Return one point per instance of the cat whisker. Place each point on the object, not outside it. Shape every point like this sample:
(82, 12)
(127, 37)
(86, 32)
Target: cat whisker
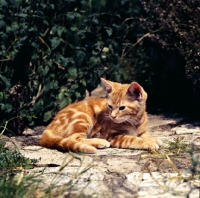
(105, 119)
(132, 121)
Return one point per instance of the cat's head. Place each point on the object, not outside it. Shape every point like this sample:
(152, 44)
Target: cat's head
(125, 101)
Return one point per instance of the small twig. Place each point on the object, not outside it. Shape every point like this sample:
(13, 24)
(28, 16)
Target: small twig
(40, 90)
(2, 60)
(121, 26)
(173, 165)
(46, 32)
(59, 65)
(42, 40)
(16, 39)
(4, 128)
(20, 178)
(139, 40)
(133, 45)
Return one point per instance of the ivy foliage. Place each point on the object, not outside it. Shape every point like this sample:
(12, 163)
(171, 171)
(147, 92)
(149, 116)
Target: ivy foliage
(51, 52)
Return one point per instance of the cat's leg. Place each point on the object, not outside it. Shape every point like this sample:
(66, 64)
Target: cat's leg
(128, 141)
(76, 142)
(148, 137)
(50, 140)
(96, 142)
(79, 143)
(72, 144)
(142, 133)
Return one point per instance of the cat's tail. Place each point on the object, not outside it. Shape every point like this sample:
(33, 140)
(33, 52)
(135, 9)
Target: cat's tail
(72, 143)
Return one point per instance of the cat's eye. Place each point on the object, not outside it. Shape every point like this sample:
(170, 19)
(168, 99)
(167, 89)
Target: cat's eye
(121, 108)
(110, 106)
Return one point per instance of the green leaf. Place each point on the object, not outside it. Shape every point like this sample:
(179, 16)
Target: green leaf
(5, 80)
(48, 115)
(53, 30)
(45, 71)
(80, 32)
(80, 57)
(3, 3)
(5, 38)
(15, 27)
(63, 103)
(111, 49)
(61, 95)
(95, 21)
(22, 15)
(72, 71)
(76, 14)
(60, 30)
(48, 103)
(55, 41)
(52, 6)
(2, 24)
(73, 29)
(47, 87)
(93, 61)
(34, 44)
(38, 106)
(83, 82)
(65, 61)
(6, 107)
(109, 31)
(70, 16)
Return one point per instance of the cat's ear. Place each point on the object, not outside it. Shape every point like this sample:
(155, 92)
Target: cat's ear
(135, 91)
(107, 85)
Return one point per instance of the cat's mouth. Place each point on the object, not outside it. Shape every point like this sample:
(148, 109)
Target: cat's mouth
(116, 119)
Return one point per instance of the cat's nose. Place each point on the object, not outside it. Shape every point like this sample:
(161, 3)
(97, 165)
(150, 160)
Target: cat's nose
(113, 116)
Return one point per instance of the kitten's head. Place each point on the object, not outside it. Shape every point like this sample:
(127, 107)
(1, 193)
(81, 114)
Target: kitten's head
(125, 101)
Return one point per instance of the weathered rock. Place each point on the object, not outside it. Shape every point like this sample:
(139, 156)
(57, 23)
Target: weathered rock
(159, 185)
(186, 129)
(112, 172)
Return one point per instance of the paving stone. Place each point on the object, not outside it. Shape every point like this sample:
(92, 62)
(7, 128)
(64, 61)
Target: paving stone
(112, 172)
(161, 185)
(158, 121)
(186, 129)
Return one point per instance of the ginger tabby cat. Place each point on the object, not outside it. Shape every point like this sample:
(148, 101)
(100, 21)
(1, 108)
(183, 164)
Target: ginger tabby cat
(119, 121)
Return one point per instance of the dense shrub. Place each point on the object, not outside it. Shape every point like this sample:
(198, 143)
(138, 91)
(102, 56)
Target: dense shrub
(51, 52)
(175, 27)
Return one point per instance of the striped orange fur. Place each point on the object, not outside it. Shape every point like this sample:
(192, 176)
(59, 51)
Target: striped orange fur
(118, 121)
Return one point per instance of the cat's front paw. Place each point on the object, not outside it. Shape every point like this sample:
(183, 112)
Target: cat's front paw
(103, 144)
(157, 141)
(153, 145)
(99, 143)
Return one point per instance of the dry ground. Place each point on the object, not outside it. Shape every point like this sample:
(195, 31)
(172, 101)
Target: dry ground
(122, 173)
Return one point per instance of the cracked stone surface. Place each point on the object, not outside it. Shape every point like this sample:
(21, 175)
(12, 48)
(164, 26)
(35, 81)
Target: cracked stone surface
(120, 173)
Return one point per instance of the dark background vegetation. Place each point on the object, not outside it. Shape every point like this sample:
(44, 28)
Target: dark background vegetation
(51, 52)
